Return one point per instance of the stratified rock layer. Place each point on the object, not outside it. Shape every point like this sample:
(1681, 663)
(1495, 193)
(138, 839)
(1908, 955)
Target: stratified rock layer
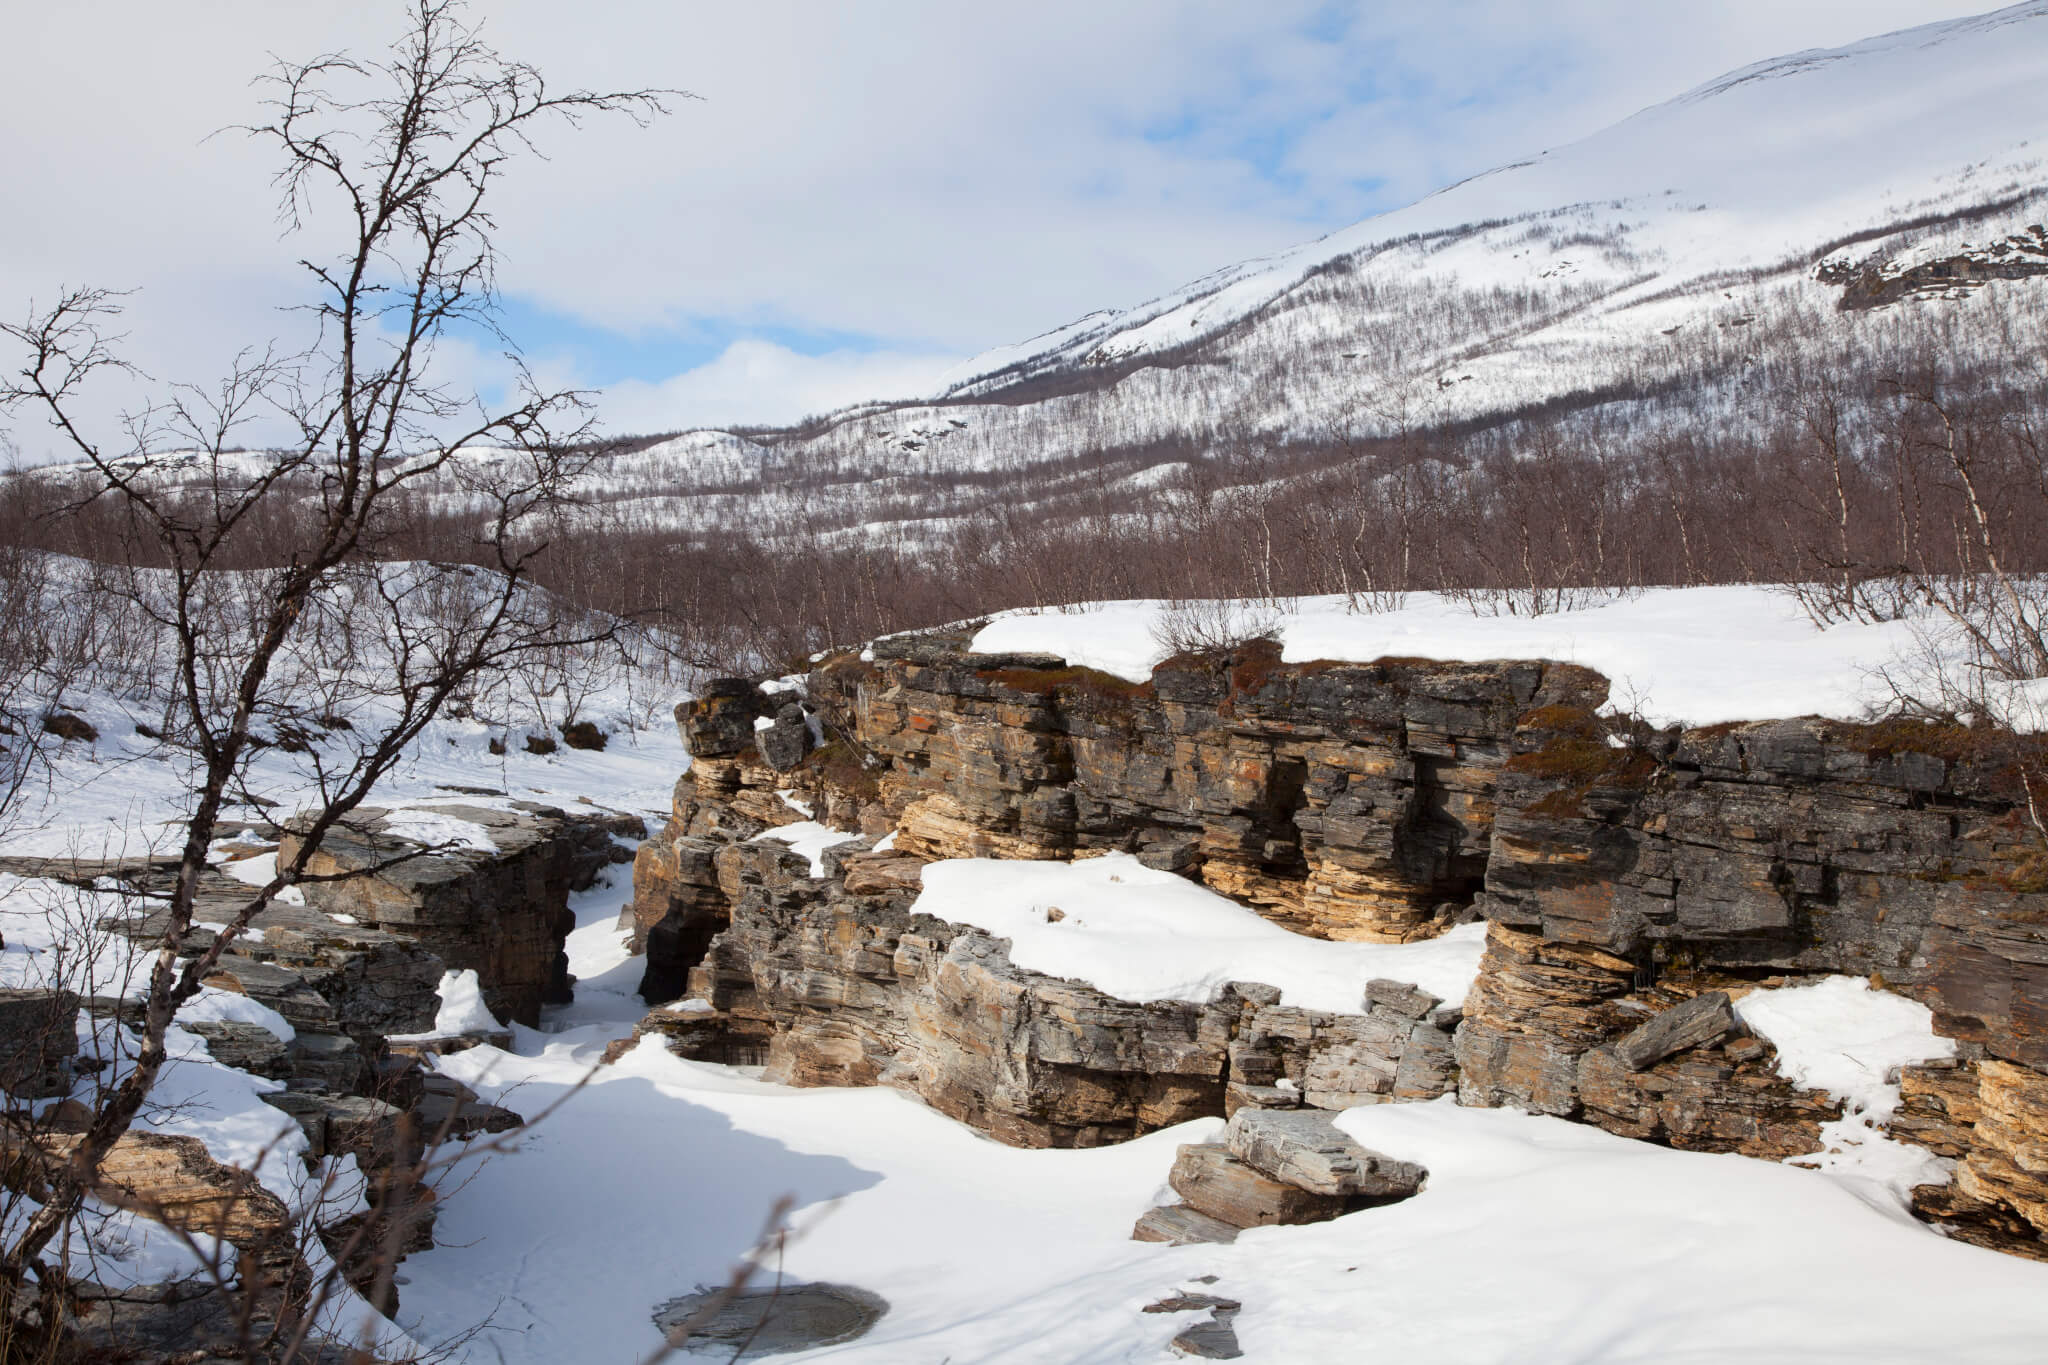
(1637, 882)
(502, 911)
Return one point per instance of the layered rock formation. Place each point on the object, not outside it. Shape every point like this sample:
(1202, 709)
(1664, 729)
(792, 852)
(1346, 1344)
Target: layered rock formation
(1635, 882)
(350, 973)
(1342, 800)
(498, 905)
(827, 984)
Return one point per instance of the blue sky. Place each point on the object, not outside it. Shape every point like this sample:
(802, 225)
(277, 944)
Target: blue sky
(864, 195)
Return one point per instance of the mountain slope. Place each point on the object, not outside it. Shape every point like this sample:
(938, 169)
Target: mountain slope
(1769, 169)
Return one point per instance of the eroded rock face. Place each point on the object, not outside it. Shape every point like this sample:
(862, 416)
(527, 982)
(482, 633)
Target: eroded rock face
(826, 986)
(1761, 852)
(1346, 801)
(501, 911)
(1636, 883)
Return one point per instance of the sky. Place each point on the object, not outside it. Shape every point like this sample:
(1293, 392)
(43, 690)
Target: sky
(853, 199)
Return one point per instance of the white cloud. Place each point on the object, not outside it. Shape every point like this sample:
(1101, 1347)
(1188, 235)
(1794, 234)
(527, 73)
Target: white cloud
(762, 383)
(941, 177)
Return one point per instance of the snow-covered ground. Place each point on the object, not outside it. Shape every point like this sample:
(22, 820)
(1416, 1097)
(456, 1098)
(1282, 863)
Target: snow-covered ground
(125, 793)
(1535, 1239)
(1696, 656)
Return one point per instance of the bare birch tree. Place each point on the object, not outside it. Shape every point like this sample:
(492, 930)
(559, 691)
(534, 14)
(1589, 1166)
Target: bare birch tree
(402, 153)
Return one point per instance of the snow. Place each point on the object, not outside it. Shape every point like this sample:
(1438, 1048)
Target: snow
(1141, 934)
(1843, 1037)
(809, 838)
(217, 1006)
(462, 1009)
(1697, 656)
(429, 828)
(1530, 1230)
(256, 870)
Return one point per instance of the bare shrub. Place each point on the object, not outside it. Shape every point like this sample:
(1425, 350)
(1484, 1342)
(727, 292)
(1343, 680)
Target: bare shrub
(1210, 625)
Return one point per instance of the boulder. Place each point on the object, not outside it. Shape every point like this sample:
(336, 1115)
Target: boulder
(719, 721)
(1304, 1148)
(1214, 1182)
(783, 742)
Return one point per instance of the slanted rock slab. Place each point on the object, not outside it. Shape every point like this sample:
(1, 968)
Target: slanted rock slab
(1703, 1019)
(1303, 1147)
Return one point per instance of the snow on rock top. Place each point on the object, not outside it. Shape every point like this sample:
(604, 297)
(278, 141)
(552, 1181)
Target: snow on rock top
(808, 837)
(1697, 656)
(1141, 934)
(462, 1009)
(1843, 1037)
(430, 828)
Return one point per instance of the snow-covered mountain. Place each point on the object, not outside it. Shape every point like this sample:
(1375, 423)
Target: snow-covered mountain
(1832, 214)
(1662, 221)
(1678, 264)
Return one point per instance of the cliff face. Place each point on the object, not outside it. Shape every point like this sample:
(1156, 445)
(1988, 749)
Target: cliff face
(502, 912)
(1345, 801)
(1631, 881)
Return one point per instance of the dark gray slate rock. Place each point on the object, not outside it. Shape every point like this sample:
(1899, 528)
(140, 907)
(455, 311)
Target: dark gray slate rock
(1702, 1019)
(246, 1047)
(1215, 1339)
(37, 1042)
(719, 721)
(783, 744)
(450, 1111)
(769, 1321)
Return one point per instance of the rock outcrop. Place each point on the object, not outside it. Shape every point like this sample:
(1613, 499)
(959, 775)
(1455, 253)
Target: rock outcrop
(348, 972)
(1636, 884)
(831, 988)
(495, 902)
(826, 985)
(1341, 800)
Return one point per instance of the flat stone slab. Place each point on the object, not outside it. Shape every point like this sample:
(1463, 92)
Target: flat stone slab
(1214, 1182)
(1180, 1226)
(769, 1322)
(1303, 1147)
